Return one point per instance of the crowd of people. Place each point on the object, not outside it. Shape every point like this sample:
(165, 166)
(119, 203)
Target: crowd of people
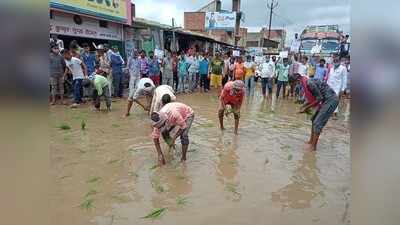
(155, 82)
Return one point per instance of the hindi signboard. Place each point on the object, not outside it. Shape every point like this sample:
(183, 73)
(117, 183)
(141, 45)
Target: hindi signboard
(220, 21)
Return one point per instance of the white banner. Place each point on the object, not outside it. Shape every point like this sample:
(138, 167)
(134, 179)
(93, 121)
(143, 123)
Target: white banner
(220, 21)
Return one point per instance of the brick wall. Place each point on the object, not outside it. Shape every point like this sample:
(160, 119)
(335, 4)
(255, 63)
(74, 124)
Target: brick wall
(194, 21)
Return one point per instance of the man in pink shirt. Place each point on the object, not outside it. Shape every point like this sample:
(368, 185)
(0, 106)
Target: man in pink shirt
(172, 115)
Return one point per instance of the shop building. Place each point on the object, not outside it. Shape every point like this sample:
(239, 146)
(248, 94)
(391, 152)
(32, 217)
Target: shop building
(94, 22)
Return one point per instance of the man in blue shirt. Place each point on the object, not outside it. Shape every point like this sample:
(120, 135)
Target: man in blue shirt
(117, 62)
(203, 71)
(154, 69)
(88, 58)
(321, 71)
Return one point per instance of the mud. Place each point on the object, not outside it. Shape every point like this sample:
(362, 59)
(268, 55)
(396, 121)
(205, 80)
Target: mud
(262, 176)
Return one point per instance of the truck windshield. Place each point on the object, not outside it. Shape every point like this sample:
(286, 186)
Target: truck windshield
(308, 44)
(330, 45)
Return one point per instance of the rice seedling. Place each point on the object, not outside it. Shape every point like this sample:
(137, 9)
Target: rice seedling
(290, 157)
(64, 126)
(94, 179)
(181, 177)
(232, 188)
(132, 150)
(155, 214)
(181, 200)
(63, 177)
(153, 167)
(87, 204)
(115, 125)
(113, 161)
(83, 125)
(91, 192)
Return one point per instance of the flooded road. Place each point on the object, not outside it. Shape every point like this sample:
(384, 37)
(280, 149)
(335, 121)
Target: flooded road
(106, 174)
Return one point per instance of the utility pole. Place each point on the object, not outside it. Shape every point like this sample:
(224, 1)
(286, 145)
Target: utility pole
(271, 6)
(173, 44)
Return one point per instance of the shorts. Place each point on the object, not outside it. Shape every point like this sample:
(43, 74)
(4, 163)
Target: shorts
(216, 80)
(185, 134)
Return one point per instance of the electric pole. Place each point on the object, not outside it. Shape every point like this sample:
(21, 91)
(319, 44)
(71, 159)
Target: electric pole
(173, 45)
(271, 6)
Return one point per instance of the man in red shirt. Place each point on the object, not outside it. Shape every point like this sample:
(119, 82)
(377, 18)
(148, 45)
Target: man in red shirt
(232, 95)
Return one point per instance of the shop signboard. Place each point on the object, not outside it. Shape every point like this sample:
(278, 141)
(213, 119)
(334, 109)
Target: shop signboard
(220, 21)
(63, 25)
(114, 10)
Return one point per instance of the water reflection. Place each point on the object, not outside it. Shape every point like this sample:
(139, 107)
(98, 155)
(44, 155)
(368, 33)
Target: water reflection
(305, 186)
(170, 183)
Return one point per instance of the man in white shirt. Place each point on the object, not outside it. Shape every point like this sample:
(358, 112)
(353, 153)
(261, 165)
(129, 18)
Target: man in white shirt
(145, 89)
(267, 72)
(302, 67)
(159, 92)
(79, 71)
(295, 46)
(337, 79)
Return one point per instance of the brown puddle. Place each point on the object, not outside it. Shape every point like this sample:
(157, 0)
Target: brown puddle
(105, 174)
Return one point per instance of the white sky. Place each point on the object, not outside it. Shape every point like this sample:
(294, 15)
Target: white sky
(293, 15)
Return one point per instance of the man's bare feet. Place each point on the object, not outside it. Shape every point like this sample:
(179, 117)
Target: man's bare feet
(126, 114)
(161, 161)
(183, 159)
(52, 103)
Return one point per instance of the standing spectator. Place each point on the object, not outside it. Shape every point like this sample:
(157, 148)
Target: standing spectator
(282, 72)
(175, 62)
(337, 79)
(311, 66)
(295, 45)
(217, 66)
(226, 69)
(321, 71)
(238, 71)
(231, 69)
(134, 72)
(104, 63)
(293, 70)
(267, 71)
(57, 68)
(302, 67)
(250, 68)
(183, 74)
(88, 58)
(78, 70)
(144, 64)
(204, 70)
(116, 65)
(75, 49)
(193, 71)
(154, 69)
(54, 39)
(168, 70)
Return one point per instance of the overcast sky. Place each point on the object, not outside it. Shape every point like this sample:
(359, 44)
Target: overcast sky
(294, 15)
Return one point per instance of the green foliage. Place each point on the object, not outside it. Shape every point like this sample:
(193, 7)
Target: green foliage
(155, 214)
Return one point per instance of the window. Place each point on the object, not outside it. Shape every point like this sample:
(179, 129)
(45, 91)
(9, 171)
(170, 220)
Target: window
(103, 23)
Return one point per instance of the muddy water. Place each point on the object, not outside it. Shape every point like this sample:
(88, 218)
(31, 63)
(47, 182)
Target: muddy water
(262, 176)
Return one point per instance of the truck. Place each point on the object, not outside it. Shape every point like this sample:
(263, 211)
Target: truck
(322, 40)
